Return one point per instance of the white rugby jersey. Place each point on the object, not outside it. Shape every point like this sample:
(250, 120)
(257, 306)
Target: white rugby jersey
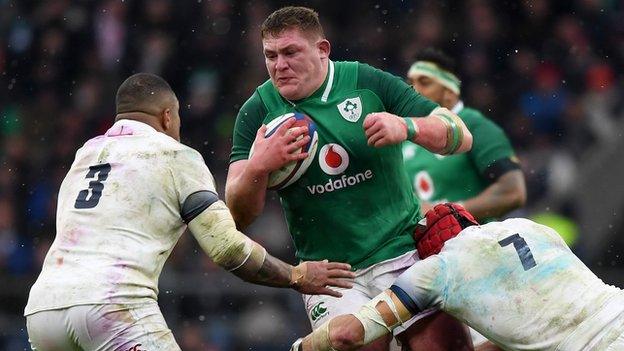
(118, 218)
(518, 284)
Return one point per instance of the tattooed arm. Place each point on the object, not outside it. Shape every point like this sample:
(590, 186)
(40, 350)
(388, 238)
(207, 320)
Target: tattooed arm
(216, 233)
(308, 277)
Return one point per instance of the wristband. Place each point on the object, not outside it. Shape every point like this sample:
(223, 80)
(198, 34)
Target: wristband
(411, 128)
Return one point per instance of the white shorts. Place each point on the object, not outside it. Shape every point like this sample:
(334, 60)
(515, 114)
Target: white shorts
(114, 327)
(368, 283)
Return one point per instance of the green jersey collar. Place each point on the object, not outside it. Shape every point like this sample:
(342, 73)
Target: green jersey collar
(330, 82)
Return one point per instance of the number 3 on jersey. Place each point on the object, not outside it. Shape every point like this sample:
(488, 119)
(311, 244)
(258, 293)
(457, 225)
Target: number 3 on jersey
(95, 186)
(522, 249)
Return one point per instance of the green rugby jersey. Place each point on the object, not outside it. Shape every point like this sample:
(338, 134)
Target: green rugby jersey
(437, 178)
(354, 204)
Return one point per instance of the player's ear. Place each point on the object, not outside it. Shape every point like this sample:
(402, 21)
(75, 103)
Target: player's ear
(166, 118)
(324, 48)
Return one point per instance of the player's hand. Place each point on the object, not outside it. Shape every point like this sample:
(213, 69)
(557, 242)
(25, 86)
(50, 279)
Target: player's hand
(282, 147)
(296, 346)
(383, 128)
(314, 277)
(440, 224)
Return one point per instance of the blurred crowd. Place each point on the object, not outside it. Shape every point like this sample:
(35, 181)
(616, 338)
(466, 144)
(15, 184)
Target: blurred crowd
(546, 71)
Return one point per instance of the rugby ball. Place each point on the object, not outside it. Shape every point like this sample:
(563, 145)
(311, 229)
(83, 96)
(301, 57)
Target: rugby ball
(292, 171)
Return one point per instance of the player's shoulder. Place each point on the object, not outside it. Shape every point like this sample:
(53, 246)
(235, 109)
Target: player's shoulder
(377, 80)
(187, 153)
(267, 85)
(174, 150)
(338, 65)
(495, 229)
(256, 104)
(527, 227)
(363, 69)
(521, 223)
(506, 225)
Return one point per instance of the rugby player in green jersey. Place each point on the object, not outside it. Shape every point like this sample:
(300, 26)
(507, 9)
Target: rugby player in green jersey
(487, 180)
(354, 203)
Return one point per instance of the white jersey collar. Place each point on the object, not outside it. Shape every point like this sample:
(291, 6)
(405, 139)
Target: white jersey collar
(130, 126)
(458, 107)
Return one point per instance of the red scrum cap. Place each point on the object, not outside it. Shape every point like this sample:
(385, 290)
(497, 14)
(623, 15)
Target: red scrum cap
(441, 223)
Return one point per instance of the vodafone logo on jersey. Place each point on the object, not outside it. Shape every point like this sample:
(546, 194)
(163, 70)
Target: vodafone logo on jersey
(333, 159)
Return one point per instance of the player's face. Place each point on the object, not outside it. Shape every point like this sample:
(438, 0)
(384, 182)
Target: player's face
(429, 88)
(295, 62)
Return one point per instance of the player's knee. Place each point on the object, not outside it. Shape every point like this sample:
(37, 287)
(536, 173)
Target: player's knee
(345, 337)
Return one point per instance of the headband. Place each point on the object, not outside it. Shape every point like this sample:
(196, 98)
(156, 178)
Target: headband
(432, 70)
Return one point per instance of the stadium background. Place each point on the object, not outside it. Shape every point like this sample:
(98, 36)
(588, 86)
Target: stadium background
(547, 71)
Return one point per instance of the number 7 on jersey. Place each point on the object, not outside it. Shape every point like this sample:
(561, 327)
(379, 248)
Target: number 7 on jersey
(522, 249)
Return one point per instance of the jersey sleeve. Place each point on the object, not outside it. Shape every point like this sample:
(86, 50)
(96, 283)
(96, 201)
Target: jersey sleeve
(248, 121)
(397, 96)
(423, 285)
(491, 150)
(190, 175)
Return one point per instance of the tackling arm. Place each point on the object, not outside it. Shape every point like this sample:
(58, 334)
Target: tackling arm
(216, 233)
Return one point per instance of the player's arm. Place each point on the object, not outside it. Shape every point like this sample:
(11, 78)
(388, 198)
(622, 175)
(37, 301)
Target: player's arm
(410, 116)
(507, 193)
(212, 225)
(441, 132)
(495, 159)
(245, 189)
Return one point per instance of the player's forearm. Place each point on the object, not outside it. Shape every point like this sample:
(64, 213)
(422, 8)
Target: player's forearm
(506, 194)
(273, 272)
(442, 132)
(216, 233)
(245, 194)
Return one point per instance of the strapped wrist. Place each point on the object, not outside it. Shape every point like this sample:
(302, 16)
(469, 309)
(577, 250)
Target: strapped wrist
(296, 275)
(412, 129)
